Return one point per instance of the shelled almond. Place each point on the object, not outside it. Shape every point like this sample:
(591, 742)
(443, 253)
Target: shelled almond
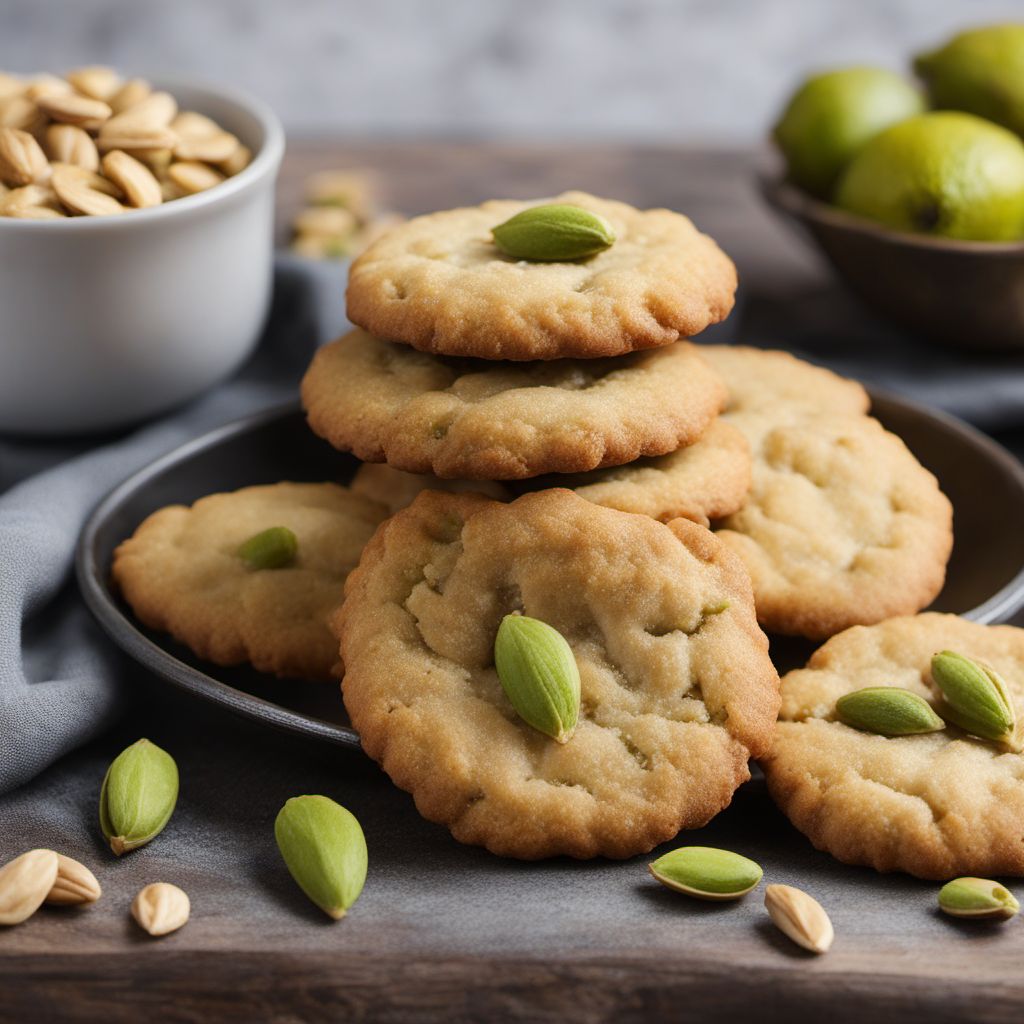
(93, 144)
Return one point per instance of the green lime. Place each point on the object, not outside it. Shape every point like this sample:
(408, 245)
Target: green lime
(945, 173)
(980, 71)
(832, 115)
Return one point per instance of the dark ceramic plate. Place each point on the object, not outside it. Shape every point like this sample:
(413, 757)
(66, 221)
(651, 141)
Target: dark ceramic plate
(961, 294)
(985, 579)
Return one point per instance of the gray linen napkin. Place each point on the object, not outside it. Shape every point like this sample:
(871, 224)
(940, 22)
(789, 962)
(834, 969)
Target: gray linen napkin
(61, 682)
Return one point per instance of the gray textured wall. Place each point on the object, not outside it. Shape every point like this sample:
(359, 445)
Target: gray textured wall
(641, 69)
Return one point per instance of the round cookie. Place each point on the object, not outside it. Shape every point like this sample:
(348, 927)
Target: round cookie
(677, 690)
(475, 420)
(937, 805)
(842, 526)
(396, 489)
(181, 574)
(774, 382)
(439, 284)
(838, 509)
(704, 481)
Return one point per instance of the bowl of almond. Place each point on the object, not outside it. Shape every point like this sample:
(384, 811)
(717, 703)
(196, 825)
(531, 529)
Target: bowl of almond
(136, 244)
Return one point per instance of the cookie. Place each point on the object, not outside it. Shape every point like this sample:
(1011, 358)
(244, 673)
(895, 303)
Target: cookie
(839, 509)
(181, 574)
(439, 284)
(475, 420)
(842, 526)
(677, 690)
(396, 489)
(937, 805)
(707, 480)
(767, 381)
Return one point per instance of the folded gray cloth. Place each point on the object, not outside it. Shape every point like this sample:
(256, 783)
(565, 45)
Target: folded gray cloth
(61, 681)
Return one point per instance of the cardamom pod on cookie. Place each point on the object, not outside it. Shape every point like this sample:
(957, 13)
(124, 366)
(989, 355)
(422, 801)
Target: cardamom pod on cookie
(888, 711)
(324, 848)
(138, 796)
(555, 232)
(539, 675)
(976, 697)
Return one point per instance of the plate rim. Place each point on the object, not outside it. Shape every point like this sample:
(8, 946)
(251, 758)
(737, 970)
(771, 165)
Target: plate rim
(126, 635)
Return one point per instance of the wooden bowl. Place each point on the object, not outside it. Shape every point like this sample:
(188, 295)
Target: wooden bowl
(964, 294)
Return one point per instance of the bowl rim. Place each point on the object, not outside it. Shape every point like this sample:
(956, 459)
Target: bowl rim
(782, 193)
(265, 162)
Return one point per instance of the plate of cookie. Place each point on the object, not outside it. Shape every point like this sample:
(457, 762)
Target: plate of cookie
(545, 444)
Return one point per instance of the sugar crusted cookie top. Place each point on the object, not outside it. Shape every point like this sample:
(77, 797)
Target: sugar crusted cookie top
(440, 284)
(471, 419)
(937, 805)
(181, 574)
(676, 694)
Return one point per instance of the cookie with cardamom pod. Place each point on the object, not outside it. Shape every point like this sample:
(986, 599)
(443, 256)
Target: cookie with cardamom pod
(575, 276)
(839, 508)
(476, 420)
(250, 576)
(549, 676)
(938, 793)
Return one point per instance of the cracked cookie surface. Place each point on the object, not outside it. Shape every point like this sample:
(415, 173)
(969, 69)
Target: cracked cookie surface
(181, 573)
(677, 692)
(439, 284)
(937, 805)
(471, 419)
(842, 526)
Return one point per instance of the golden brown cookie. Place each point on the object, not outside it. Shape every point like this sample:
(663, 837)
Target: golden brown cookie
(842, 526)
(704, 481)
(936, 805)
(474, 420)
(182, 575)
(440, 284)
(677, 688)
(397, 489)
(777, 383)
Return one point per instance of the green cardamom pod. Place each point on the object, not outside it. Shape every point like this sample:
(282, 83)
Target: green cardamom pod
(325, 850)
(888, 711)
(554, 233)
(539, 675)
(138, 796)
(977, 897)
(976, 697)
(707, 873)
(272, 549)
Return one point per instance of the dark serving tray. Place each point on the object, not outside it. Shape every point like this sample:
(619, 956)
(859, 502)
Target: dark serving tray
(985, 580)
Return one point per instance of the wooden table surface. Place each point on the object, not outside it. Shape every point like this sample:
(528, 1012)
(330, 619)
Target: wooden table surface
(444, 931)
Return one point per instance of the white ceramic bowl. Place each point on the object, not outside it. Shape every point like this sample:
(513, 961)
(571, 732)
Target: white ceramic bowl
(107, 320)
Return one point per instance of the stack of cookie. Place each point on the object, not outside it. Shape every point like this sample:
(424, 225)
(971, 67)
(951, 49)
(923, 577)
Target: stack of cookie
(471, 365)
(543, 438)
